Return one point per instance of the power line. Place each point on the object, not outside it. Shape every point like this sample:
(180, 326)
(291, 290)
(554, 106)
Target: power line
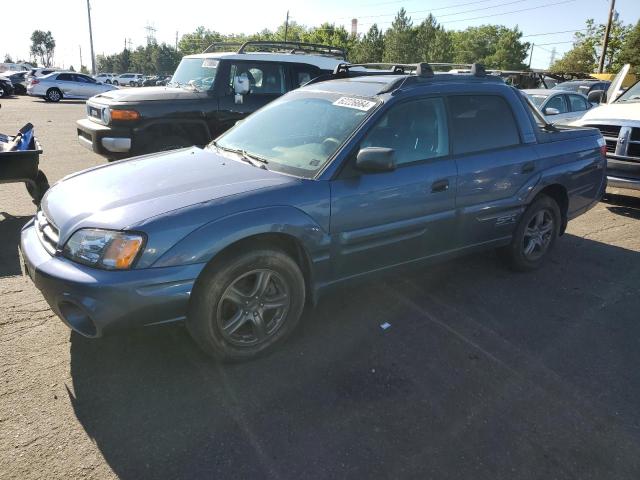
(491, 15)
(552, 33)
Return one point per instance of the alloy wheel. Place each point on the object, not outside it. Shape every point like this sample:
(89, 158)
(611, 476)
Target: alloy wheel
(538, 235)
(253, 307)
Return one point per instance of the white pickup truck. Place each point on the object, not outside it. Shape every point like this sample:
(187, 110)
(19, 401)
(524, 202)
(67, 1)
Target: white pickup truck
(619, 122)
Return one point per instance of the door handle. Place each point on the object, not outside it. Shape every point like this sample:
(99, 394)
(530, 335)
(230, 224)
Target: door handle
(440, 186)
(528, 167)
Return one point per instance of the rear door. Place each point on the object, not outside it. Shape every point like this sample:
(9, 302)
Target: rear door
(495, 167)
(384, 219)
(267, 81)
(65, 82)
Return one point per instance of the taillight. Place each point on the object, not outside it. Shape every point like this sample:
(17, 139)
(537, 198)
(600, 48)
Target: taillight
(35, 81)
(603, 146)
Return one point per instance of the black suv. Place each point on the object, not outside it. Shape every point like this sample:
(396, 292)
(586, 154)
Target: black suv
(208, 93)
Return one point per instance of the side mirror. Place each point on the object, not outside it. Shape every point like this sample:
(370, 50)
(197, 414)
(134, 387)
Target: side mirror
(597, 96)
(550, 111)
(376, 159)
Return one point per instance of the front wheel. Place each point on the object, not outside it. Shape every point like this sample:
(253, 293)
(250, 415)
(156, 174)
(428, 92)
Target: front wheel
(247, 304)
(115, 82)
(535, 235)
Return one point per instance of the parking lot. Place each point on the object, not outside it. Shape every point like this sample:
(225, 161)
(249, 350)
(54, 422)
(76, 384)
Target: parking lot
(483, 373)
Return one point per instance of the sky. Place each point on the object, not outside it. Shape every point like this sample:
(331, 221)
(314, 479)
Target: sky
(116, 20)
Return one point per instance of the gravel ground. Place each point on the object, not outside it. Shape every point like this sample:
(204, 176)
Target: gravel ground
(483, 373)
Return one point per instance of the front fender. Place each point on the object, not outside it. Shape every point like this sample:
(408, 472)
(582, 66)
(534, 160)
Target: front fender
(203, 244)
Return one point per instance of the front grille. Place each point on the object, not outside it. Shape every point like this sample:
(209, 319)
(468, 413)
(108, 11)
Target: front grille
(608, 130)
(633, 150)
(635, 134)
(47, 233)
(611, 146)
(95, 113)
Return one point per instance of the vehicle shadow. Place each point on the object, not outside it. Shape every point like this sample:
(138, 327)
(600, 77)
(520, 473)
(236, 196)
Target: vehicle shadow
(626, 206)
(482, 372)
(10, 235)
(61, 102)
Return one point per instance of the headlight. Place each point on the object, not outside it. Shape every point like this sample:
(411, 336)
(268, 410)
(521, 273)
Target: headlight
(106, 115)
(108, 249)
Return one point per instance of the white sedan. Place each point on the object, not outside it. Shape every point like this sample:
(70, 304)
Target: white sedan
(559, 106)
(58, 85)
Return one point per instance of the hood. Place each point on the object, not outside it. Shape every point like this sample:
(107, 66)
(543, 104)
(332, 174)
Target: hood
(147, 94)
(612, 112)
(121, 195)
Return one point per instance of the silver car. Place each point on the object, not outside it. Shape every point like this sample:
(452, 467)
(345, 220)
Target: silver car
(559, 106)
(58, 85)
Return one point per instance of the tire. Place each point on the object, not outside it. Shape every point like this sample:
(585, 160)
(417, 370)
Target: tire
(54, 95)
(2, 92)
(132, 84)
(227, 316)
(108, 82)
(535, 235)
(115, 82)
(38, 188)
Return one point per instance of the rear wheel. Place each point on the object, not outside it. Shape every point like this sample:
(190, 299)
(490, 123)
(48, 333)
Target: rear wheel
(247, 304)
(535, 235)
(54, 95)
(115, 82)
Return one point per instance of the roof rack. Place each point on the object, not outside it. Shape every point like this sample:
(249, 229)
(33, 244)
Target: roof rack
(288, 47)
(410, 73)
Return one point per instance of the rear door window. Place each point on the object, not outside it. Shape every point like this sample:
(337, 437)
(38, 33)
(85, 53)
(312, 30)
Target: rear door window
(65, 77)
(303, 74)
(558, 102)
(481, 122)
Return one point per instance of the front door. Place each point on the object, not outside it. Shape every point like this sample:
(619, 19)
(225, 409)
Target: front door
(267, 81)
(385, 219)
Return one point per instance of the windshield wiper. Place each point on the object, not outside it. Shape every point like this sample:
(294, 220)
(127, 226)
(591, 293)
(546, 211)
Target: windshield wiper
(249, 158)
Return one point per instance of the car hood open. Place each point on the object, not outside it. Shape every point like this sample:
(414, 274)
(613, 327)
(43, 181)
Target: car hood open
(149, 94)
(125, 193)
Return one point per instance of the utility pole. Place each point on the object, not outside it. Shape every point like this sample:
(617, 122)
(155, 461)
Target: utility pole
(552, 60)
(605, 42)
(286, 26)
(93, 58)
(80, 47)
(531, 54)
(176, 40)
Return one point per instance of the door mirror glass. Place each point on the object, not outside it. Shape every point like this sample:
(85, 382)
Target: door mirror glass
(376, 159)
(551, 111)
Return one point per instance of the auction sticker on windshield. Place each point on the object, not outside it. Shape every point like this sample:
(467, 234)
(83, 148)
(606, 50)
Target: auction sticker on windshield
(357, 103)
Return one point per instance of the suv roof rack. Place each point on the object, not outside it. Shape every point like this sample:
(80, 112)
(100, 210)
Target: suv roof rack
(276, 46)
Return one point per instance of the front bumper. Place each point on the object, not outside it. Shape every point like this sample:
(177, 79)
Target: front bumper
(623, 172)
(92, 301)
(102, 139)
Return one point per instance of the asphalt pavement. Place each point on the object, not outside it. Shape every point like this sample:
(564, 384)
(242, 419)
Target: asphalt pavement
(481, 374)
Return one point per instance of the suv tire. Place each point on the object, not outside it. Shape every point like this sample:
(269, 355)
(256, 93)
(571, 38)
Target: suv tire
(535, 235)
(54, 95)
(244, 305)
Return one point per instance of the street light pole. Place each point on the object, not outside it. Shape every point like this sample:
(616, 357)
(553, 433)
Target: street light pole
(93, 57)
(605, 42)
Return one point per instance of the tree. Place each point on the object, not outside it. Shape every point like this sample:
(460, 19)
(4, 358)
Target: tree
(43, 45)
(71, 69)
(7, 58)
(399, 41)
(630, 51)
(495, 46)
(197, 41)
(433, 43)
(370, 48)
(84, 69)
(587, 47)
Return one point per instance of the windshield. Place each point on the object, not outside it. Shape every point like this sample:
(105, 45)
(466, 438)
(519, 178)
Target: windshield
(196, 73)
(632, 95)
(538, 99)
(300, 132)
